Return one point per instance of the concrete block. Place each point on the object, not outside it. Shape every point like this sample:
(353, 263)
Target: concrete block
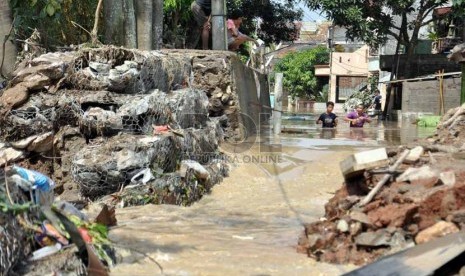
(357, 163)
(414, 155)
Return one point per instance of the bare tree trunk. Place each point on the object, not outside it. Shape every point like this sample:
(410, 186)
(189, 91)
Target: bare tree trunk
(7, 50)
(144, 14)
(157, 25)
(130, 28)
(114, 22)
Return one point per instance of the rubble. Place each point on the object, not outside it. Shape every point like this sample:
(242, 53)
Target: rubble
(422, 200)
(440, 229)
(117, 126)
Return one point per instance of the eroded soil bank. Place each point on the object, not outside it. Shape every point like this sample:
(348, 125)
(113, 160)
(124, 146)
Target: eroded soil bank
(424, 200)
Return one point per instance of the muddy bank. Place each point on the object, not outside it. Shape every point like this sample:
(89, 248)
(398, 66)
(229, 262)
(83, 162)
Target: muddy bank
(424, 200)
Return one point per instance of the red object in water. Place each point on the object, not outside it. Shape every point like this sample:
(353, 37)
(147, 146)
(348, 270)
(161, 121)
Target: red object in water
(85, 235)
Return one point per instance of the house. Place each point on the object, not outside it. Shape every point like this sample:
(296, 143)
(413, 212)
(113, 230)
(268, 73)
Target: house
(348, 69)
(420, 70)
(309, 35)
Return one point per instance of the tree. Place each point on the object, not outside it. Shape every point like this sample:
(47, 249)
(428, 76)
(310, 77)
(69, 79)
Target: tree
(374, 21)
(270, 21)
(299, 71)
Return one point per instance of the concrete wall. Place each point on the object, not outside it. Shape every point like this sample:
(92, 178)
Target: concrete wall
(347, 64)
(253, 93)
(423, 96)
(5, 25)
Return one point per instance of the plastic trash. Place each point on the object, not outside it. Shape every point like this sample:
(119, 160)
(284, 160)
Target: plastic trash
(41, 185)
(45, 251)
(143, 176)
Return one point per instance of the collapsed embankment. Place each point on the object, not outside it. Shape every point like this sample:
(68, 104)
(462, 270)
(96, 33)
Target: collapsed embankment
(124, 126)
(423, 200)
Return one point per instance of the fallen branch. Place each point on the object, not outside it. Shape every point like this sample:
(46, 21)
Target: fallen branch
(385, 179)
(460, 111)
(442, 148)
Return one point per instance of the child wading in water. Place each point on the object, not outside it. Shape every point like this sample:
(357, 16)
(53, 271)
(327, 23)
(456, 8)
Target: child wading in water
(357, 118)
(328, 119)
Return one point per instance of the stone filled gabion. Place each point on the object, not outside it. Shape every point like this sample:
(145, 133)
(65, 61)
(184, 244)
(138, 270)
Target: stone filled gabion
(102, 169)
(118, 97)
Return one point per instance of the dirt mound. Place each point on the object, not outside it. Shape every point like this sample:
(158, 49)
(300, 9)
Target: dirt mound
(422, 201)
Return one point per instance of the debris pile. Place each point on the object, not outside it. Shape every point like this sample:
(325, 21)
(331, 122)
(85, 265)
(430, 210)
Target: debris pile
(41, 235)
(111, 125)
(90, 120)
(382, 210)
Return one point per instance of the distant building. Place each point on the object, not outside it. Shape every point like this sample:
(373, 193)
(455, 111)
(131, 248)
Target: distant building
(348, 72)
(309, 35)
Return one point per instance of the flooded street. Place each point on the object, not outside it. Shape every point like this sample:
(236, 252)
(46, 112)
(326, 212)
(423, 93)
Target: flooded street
(250, 223)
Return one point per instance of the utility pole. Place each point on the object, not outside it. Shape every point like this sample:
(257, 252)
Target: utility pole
(278, 103)
(330, 46)
(462, 89)
(219, 25)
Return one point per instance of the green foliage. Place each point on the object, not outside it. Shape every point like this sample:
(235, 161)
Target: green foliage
(373, 21)
(276, 18)
(53, 19)
(323, 95)
(364, 97)
(429, 121)
(99, 234)
(177, 19)
(373, 81)
(299, 71)
(15, 209)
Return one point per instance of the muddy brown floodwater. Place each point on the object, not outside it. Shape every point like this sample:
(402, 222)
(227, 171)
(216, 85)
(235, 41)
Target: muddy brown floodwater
(249, 224)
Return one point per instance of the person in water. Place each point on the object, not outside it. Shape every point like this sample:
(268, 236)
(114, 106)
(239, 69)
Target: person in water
(357, 118)
(377, 101)
(328, 119)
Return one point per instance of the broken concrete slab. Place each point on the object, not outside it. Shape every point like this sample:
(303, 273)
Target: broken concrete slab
(413, 174)
(360, 217)
(448, 178)
(414, 155)
(438, 230)
(357, 163)
(374, 239)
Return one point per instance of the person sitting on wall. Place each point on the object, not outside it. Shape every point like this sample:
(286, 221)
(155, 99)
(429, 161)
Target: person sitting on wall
(235, 37)
(328, 119)
(357, 118)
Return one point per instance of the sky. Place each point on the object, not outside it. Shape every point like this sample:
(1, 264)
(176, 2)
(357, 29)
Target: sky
(311, 15)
